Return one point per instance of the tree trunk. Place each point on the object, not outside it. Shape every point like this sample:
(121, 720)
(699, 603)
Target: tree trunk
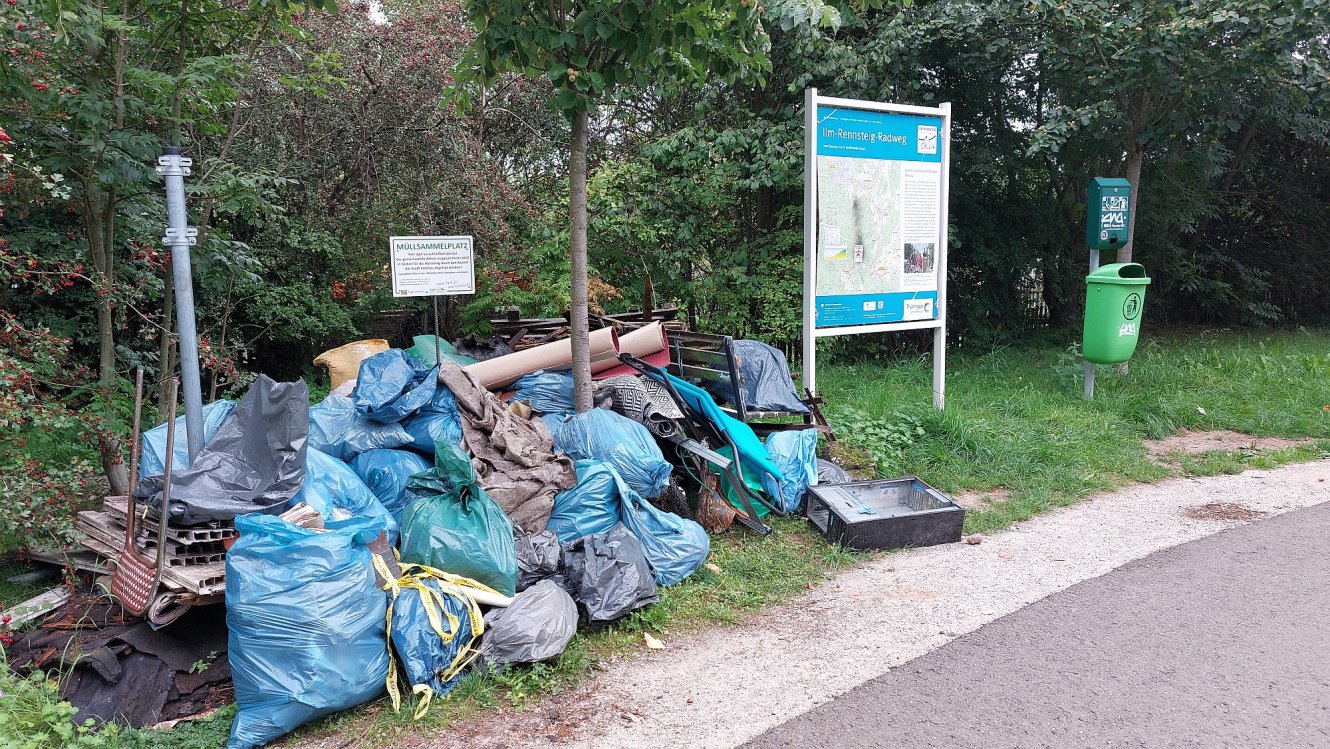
(1135, 158)
(165, 347)
(577, 204)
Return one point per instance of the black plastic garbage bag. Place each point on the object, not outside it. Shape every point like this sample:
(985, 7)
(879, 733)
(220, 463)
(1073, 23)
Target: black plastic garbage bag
(767, 385)
(607, 575)
(254, 463)
(390, 387)
(537, 626)
(830, 473)
(538, 557)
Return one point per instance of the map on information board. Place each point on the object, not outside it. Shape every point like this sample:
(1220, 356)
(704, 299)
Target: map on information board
(879, 180)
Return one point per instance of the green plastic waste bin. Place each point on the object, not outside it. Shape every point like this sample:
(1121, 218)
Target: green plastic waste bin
(1114, 298)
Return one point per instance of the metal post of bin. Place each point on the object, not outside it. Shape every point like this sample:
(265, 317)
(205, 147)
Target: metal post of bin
(179, 237)
(1089, 366)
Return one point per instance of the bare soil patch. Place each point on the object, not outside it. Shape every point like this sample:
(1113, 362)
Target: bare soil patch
(1223, 512)
(1191, 442)
(973, 498)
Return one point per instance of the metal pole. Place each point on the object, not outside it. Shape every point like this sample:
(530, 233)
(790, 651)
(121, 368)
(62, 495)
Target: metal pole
(940, 334)
(1089, 367)
(179, 237)
(810, 240)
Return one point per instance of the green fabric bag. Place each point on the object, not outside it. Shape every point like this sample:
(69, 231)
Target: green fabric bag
(452, 524)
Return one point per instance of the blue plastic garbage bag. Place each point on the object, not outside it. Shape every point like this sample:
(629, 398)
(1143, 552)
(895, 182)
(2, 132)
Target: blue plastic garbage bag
(153, 441)
(390, 387)
(434, 631)
(306, 624)
(336, 428)
(618, 440)
(795, 453)
(386, 472)
(546, 392)
(331, 485)
(436, 421)
(674, 547)
(590, 507)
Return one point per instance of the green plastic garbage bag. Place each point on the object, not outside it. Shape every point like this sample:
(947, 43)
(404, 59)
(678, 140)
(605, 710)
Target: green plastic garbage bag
(453, 525)
(423, 351)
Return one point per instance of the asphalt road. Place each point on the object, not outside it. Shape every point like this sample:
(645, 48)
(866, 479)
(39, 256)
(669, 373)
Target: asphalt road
(1221, 642)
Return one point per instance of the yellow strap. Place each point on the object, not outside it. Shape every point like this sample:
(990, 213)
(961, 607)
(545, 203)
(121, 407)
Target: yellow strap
(414, 577)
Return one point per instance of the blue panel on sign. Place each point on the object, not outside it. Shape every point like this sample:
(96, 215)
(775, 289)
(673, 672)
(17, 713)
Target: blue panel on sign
(878, 135)
(869, 309)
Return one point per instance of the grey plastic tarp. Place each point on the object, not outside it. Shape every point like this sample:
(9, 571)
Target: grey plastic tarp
(254, 463)
(767, 385)
(537, 626)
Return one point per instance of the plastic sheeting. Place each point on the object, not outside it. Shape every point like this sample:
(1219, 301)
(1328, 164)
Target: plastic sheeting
(306, 624)
(830, 473)
(337, 429)
(537, 626)
(795, 452)
(390, 387)
(386, 472)
(453, 525)
(545, 392)
(537, 558)
(607, 575)
(331, 485)
(590, 507)
(153, 442)
(767, 385)
(254, 463)
(618, 440)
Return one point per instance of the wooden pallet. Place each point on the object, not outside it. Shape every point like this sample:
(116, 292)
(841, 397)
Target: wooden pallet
(199, 574)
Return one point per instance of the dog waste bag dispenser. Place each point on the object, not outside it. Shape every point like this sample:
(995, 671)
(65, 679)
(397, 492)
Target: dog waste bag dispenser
(1114, 299)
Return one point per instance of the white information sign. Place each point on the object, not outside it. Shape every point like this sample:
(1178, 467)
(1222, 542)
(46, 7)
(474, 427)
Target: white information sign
(875, 223)
(429, 266)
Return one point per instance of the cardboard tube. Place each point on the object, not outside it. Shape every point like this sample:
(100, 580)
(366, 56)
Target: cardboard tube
(644, 341)
(504, 370)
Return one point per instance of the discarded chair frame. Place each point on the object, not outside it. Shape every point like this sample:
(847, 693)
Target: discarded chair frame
(698, 433)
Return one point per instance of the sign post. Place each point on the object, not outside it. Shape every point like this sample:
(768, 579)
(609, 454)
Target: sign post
(432, 266)
(875, 223)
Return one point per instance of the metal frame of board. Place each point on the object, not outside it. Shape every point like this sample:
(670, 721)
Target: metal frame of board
(939, 323)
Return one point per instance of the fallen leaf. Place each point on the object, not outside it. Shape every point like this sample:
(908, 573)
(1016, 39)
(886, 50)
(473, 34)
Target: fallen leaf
(974, 540)
(712, 568)
(1004, 555)
(653, 643)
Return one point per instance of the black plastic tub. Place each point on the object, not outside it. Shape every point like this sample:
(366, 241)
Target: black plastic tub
(884, 514)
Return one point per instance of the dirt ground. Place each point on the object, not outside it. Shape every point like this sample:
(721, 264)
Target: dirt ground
(1189, 442)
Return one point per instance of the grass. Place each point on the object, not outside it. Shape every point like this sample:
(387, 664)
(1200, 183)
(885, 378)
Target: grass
(1015, 425)
(1015, 420)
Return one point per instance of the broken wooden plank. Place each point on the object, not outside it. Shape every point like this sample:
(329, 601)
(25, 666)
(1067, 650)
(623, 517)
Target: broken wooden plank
(38, 606)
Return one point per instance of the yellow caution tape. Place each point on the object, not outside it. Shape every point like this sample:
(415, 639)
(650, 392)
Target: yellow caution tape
(414, 577)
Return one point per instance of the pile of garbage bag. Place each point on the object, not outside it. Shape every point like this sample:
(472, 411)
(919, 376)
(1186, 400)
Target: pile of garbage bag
(453, 527)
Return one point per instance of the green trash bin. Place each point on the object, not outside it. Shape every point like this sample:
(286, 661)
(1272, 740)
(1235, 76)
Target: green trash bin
(1114, 298)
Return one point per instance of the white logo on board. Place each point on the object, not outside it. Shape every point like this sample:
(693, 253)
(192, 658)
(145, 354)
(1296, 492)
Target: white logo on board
(928, 139)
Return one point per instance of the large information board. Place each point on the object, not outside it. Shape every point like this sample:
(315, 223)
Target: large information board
(875, 218)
